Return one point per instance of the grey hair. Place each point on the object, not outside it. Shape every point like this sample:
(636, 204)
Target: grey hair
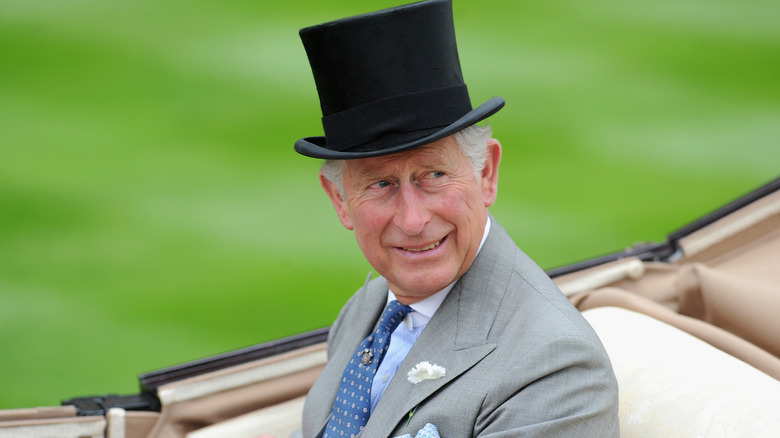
(472, 141)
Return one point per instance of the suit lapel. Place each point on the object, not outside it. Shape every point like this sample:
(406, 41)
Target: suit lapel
(368, 306)
(455, 338)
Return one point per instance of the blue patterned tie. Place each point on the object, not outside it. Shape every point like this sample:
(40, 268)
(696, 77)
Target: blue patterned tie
(353, 401)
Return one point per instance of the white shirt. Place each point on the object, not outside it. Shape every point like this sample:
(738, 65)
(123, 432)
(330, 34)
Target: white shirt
(407, 332)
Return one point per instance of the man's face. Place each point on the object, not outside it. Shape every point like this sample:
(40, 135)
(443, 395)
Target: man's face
(418, 215)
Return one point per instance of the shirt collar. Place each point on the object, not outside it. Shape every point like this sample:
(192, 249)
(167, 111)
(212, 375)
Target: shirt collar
(424, 309)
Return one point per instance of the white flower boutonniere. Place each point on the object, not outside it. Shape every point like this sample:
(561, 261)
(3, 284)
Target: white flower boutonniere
(425, 371)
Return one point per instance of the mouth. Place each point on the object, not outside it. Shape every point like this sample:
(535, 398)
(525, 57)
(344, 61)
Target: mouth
(429, 247)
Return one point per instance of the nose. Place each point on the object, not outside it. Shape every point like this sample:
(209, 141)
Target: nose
(411, 210)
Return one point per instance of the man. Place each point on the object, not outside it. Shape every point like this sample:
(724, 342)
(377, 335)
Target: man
(481, 342)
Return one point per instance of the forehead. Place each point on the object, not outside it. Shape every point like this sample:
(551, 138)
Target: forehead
(444, 152)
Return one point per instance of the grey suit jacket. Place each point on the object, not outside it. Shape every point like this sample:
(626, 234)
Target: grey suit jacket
(520, 359)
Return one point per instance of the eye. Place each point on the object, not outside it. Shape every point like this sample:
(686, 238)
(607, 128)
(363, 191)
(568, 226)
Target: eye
(380, 185)
(434, 174)
(433, 179)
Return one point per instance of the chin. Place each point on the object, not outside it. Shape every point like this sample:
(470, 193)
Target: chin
(424, 288)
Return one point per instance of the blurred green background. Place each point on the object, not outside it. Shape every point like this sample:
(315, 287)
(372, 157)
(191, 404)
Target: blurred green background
(152, 210)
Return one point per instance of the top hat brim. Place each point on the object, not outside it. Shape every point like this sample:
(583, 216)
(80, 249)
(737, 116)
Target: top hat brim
(316, 147)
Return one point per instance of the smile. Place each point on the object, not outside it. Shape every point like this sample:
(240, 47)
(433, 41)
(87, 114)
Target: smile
(425, 248)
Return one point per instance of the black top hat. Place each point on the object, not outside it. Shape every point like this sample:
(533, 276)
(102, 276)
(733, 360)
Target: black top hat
(388, 81)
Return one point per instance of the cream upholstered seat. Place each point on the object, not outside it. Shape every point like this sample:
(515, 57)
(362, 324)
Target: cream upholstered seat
(673, 384)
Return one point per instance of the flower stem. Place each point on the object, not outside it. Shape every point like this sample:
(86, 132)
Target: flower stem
(411, 414)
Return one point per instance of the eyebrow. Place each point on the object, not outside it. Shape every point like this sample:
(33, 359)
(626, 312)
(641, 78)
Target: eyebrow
(371, 172)
(433, 161)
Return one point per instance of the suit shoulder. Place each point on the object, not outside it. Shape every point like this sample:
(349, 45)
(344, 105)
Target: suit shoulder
(533, 301)
(359, 305)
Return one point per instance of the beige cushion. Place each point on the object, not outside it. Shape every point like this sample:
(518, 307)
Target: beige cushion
(281, 421)
(675, 385)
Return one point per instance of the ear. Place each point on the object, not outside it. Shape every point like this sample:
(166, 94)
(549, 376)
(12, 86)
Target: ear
(342, 209)
(490, 172)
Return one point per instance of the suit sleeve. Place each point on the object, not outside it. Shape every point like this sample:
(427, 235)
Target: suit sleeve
(571, 393)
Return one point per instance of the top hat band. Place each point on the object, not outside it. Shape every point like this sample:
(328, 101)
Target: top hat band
(362, 125)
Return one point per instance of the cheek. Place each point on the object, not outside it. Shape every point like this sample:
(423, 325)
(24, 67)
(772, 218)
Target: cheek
(468, 212)
(462, 204)
(368, 215)
(369, 223)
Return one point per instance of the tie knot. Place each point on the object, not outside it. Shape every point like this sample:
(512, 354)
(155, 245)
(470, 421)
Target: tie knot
(393, 315)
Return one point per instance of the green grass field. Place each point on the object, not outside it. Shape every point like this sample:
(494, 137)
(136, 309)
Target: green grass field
(152, 210)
